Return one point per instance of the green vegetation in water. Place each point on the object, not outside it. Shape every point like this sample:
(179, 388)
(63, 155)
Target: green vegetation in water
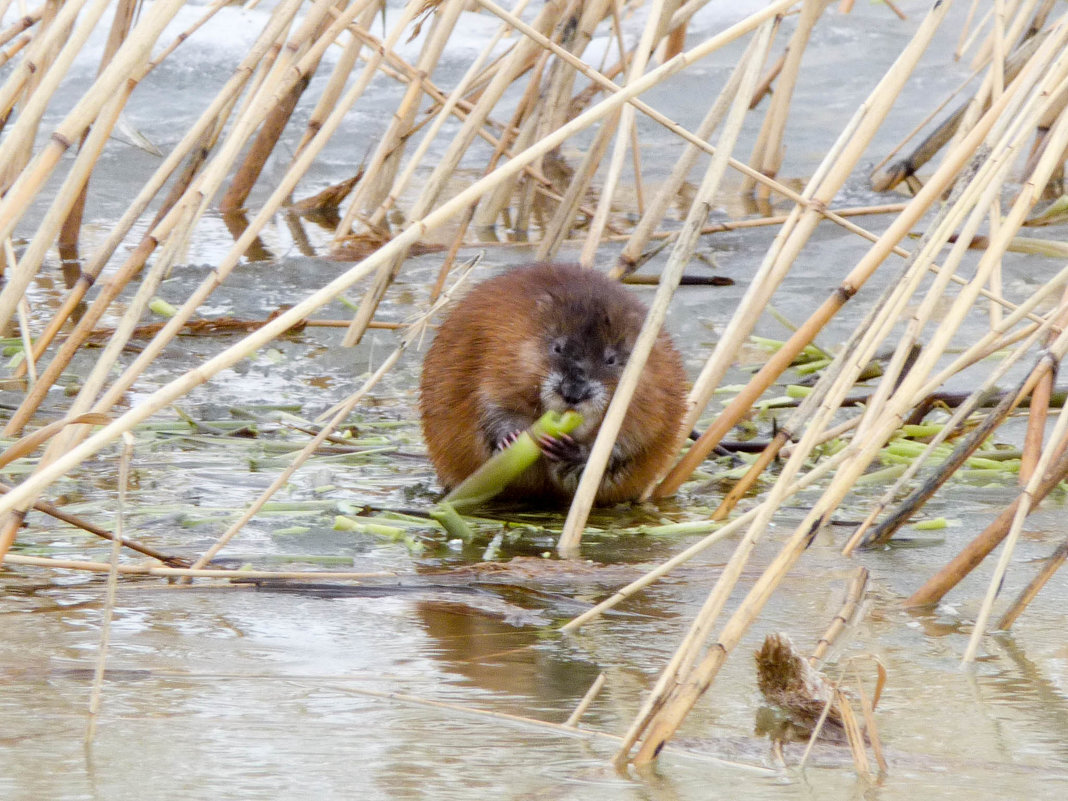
(504, 467)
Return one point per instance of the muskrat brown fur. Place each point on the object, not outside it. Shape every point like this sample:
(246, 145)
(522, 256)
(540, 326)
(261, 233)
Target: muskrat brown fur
(541, 337)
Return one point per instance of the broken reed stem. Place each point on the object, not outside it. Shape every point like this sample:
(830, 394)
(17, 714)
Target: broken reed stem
(1024, 504)
(587, 699)
(882, 533)
(850, 607)
(236, 574)
(628, 260)
(935, 588)
(624, 129)
(85, 525)
(1039, 409)
(113, 578)
(768, 149)
(1028, 594)
(670, 277)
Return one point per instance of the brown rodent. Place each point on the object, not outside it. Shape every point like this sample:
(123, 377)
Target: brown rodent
(541, 337)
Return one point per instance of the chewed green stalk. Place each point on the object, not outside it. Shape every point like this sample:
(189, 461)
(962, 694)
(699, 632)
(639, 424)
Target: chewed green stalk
(507, 465)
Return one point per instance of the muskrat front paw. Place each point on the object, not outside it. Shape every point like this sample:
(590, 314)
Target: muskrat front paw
(564, 448)
(508, 439)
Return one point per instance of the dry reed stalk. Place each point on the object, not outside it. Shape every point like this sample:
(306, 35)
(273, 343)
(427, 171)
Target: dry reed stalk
(886, 411)
(514, 65)
(559, 227)
(850, 606)
(673, 706)
(854, 735)
(23, 23)
(315, 26)
(543, 185)
(24, 332)
(113, 582)
(262, 146)
(671, 275)
(885, 530)
(764, 88)
(335, 86)
(338, 414)
(768, 149)
(66, 198)
(935, 588)
(87, 322)
(378, 174)
(451, 102)
(85, 525)
(100, 372)
(625, 127)
(603, 81)
(198, 197)
(1026, 501)
(1040, 400)
(1002, 155)
(949, 128)
(686, 655)
(1022, 14)
(1030, 592)
(182, 384)
(20, 44)
(629, 257)
(26, 79)
(560, 728)
(587, 699)
(1024, 504)
(530, 120)
(716, 367)
(525, 128)
(71, 228)
(133, 53)
(184, 572)
(963, 38)
(817, 473)
(671, 709)
(527, 125)
(793, 236)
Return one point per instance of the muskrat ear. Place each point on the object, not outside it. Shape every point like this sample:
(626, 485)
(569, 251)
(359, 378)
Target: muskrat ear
(544, 302)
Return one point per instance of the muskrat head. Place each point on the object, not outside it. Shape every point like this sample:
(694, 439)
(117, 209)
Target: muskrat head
(585, 353)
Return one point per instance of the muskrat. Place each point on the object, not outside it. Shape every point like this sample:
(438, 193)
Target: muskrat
(549, 337)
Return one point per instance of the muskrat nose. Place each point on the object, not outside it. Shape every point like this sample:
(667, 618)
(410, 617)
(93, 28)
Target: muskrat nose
(574, 391)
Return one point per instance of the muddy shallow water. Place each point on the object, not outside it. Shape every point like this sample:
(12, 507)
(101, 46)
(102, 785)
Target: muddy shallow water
(257, 692)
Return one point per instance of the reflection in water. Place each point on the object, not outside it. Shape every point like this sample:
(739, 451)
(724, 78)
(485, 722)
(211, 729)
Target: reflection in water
(521, 663)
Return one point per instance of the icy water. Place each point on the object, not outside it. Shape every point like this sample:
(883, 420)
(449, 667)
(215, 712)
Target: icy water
(256, 691)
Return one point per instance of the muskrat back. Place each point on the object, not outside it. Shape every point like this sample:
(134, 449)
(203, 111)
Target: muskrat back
(548, 337)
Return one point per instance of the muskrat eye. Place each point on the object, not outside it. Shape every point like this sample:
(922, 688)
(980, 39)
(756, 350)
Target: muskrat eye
(610, 359)
(557, 347)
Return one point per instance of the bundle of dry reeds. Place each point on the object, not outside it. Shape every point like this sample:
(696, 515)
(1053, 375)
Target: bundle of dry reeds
(384, 210)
